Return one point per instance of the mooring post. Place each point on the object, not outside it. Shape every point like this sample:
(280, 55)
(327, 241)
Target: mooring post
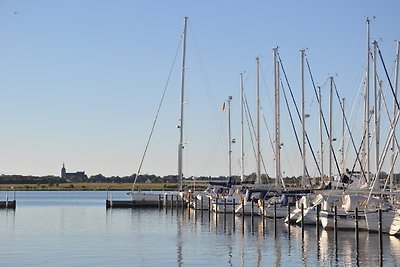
(252, 209)
(172, 203)
(356, 221)
(263, 216)
(318, 210)
(224, 206)
(209, 209)
(275, 219)
(201, 205)
(263, 210)
(165, 202)
(335, 223)
(242, 201)
(195, 207)
(233, 214)
(224, 213)
(380, 229)
(302, 220)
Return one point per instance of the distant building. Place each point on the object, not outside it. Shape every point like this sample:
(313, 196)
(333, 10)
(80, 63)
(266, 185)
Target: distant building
(67, 175)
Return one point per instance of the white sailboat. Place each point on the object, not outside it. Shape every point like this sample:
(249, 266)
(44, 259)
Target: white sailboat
(150, 197)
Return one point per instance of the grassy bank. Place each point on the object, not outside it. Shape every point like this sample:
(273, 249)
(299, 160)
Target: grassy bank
(87, 186)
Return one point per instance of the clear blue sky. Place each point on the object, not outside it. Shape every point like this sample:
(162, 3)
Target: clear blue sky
(80, 81)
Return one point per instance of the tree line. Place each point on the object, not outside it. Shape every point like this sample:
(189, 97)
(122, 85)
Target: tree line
(145, 178)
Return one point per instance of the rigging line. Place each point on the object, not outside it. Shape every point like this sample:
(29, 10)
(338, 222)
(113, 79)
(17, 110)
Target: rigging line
(294, 129)
(268, 132)
(292, 122)
(298, 114)
(388, 114)
(262, 158)
(158, 110)
(360, 149)
(388, 78)
(347, 125)
(323, 117)
(353, 113)
(250, 124)
(251, 129)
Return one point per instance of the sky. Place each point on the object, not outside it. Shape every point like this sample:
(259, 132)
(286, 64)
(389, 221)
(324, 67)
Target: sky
(81, 81)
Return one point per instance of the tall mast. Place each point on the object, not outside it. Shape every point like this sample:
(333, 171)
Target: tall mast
(320, 132)
(230, 138)
(180, 145)
(330, 128)
(376, 109)
(303, 120)
(277, 122)
(241, 129)
(366, 108)
(343, 127)
(258, 180)
(395, 110)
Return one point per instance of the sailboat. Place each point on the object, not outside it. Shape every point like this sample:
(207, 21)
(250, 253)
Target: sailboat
(141, 197)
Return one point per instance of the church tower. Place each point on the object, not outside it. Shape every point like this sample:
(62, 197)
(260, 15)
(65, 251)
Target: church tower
(63, 172)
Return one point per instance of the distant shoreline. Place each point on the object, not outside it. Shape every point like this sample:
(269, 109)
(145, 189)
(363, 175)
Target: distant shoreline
(89, 187)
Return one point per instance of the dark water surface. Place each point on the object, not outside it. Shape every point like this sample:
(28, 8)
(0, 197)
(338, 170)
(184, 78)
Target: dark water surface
(74, 229)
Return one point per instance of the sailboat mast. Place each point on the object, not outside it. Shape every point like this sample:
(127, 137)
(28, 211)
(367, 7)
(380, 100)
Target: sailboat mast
(258, 180)
(277, 122)
(376, 109)
(395, 110)
(343, 127)
(321, 143)
(229, 139)
(303, 180)
(241, 129)
(180, 145)
(330, 127)
(366, 107)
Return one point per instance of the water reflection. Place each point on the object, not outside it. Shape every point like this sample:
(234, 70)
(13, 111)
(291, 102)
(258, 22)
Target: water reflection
(87, 235)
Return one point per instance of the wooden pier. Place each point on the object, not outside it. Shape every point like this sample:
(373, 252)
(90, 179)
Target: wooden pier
(131, 204)
(8, 204)
(164, 200)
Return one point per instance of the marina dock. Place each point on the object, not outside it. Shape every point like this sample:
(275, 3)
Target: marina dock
(163, 200)
(8, 204)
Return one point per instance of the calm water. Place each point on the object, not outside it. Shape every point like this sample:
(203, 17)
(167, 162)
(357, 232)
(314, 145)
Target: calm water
(75, 229)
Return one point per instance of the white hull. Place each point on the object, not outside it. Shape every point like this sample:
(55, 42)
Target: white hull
(281, 212)
(201, 202)
(373, 220)
(248, 209)
(395, 226)
(310, 216)
(227, 205)
(345, 221)
(293, 216)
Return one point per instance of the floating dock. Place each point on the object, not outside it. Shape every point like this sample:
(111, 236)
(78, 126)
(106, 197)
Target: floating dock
(132, 204)
(164, 200)
(8, 204)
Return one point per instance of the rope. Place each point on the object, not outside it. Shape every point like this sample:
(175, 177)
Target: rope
(323, 118)
(158, 112)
